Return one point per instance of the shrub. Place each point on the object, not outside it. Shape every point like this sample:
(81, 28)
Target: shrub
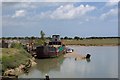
(16, 45)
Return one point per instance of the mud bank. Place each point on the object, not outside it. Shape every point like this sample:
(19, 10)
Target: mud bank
(21, 69)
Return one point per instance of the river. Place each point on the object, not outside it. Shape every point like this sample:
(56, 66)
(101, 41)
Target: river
(102, 64)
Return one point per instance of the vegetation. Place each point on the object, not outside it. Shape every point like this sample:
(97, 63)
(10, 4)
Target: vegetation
(16, 45)
(41, 41)
(13, 57)
(92, 42)
(85, 41)
(42, 35)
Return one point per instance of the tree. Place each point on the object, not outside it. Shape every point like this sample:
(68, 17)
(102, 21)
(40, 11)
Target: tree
(42, 39)
(32, 37)
(61, 38)
(76, 37)
(27, 37)
(70, 38)
(42, 34)
(65, 37)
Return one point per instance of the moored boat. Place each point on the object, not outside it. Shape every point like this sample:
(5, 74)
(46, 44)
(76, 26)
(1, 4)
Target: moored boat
(53, 49)
(69, 50)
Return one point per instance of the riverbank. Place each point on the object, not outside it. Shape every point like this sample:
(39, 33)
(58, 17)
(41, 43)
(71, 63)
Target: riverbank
(93, 42)
(16, 60)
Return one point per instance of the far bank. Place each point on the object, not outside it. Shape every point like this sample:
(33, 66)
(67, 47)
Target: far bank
(93, 42)
(107, 41)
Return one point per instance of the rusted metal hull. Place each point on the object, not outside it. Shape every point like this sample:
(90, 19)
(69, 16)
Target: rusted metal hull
(44, 52)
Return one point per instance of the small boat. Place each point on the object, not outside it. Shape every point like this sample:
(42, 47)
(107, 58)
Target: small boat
(69, 50)
(53, 49)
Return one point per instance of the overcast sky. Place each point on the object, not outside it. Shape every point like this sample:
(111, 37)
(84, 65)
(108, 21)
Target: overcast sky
(71, 19)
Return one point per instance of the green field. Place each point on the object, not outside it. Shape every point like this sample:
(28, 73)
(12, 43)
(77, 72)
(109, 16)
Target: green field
(93, 42)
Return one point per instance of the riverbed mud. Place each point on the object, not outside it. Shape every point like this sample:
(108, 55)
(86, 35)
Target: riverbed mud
(75, 55)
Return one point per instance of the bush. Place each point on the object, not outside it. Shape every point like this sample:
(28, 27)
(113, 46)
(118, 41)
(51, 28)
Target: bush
(16, 45)
(40, 42)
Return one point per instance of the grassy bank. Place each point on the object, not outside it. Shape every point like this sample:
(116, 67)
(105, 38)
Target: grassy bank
(93, 42)
(14, 57)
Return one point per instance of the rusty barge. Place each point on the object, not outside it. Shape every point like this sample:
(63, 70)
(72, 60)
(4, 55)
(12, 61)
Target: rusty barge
(53, 49)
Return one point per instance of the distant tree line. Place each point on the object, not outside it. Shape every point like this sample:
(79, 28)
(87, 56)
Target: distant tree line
(24, 37)
(81, 38)
(66, 38)
(101, 37)
(20, 37)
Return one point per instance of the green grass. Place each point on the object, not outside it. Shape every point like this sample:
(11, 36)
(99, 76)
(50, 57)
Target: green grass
(16, 45)
(13, 57)
(92, 42)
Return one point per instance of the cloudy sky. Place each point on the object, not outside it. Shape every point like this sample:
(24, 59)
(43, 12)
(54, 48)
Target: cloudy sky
(71, 19)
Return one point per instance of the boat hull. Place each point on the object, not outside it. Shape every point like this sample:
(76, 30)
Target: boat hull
(45, 52)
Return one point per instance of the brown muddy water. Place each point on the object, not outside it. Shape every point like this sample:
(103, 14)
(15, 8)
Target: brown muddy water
(102, 64)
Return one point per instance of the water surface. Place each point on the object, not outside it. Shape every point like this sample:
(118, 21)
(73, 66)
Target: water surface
(103, 64)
